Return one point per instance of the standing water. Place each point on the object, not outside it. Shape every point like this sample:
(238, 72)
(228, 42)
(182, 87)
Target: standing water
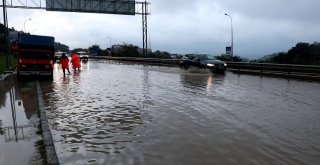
(131, 114)
(20, 138)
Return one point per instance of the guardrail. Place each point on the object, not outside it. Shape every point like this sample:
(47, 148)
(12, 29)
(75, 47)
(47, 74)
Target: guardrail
(149, 61)
(283, 70)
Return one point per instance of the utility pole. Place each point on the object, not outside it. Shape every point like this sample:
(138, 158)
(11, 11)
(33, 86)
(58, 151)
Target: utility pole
(6, 38)
(145, 28)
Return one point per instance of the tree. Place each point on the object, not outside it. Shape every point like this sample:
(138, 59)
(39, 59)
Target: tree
(159, 54)
(225, 57)
(302, 53)
(125, 50)
(95, 50)
(61, 47)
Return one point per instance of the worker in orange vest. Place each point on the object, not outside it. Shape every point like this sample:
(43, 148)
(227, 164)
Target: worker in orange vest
(75, 60)
(64, 61)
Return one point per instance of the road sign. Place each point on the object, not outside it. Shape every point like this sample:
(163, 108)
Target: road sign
(228, 50)
(126, 7)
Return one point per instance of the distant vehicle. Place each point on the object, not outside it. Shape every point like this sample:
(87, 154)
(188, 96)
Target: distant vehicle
(203, 61)
(58, 55)
(83, 55)
(35, 55)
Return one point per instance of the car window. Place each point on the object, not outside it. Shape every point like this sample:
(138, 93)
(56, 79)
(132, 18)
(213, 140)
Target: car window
(207, 57)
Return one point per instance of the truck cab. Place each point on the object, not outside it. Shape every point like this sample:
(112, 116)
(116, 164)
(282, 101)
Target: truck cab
(35, 56)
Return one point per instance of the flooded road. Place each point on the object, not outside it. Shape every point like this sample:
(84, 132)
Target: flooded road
(130, 114)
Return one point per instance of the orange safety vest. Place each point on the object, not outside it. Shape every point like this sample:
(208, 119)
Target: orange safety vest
(75, 61)
(64, 62)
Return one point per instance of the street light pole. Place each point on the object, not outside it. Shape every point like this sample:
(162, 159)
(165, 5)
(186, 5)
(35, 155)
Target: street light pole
(25, 24)
(231, 34)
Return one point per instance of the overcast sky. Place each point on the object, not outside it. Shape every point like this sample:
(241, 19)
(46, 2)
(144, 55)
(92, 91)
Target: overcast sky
(261, 27)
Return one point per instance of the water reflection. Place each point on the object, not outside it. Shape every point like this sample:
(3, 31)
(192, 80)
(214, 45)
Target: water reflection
(4, 88)
(18, 96)
(210, 84)
(201, 83)
(18, 124)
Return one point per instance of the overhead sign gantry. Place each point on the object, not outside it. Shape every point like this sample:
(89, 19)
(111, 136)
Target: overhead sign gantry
(126, 7)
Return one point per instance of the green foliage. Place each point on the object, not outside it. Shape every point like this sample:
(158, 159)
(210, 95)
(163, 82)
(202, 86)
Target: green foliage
(61, 47)
(125, 50)
(12, 62)
(105, 52)
(95, 48)
(159, 54)
(302, 54)
(129, 50)
(225, 57)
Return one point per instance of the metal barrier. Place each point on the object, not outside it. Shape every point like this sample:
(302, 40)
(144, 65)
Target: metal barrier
(149, 61)
(283, 70)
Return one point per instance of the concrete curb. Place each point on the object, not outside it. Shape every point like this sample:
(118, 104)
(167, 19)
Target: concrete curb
(52, 158)
(5, 75)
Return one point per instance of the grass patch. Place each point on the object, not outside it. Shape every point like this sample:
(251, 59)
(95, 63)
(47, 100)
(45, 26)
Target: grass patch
(12, 63)
(2, 63)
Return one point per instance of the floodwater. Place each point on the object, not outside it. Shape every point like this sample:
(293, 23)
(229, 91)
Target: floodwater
(18, 123)
(148, 115)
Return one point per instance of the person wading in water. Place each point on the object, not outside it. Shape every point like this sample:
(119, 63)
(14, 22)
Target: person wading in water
(75, 60)
(64, 61)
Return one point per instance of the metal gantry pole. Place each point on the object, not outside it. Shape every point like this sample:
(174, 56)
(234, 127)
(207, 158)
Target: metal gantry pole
(6, 38)
(144, 28)
(146, 25)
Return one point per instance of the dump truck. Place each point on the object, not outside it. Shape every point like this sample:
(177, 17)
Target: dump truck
(35, 56)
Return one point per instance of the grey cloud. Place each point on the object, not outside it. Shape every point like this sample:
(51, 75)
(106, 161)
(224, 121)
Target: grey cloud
(182, 26)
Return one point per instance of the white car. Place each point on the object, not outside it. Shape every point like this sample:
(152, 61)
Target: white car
(57, 55)
(83, 55)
